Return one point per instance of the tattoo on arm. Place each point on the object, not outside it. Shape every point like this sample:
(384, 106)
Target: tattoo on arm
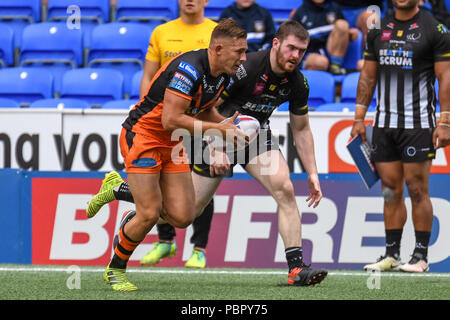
(365, 90)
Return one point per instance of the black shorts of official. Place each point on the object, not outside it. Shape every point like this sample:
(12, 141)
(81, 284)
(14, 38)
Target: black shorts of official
(263, 143)
(406, 145)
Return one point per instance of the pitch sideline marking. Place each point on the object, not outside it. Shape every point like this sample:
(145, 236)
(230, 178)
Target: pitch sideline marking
(231, 272)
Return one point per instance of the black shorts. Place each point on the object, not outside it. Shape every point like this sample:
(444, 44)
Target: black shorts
(263, 143)
(406, 145)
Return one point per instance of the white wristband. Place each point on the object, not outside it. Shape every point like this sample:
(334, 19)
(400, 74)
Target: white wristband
(361, 105)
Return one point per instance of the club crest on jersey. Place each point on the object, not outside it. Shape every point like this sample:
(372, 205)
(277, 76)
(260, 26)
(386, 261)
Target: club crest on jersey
(413, 37)
(259, 26)
(331, 17)
(186, 67)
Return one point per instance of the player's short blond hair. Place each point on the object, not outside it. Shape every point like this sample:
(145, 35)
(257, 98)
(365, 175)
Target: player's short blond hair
(228, 28)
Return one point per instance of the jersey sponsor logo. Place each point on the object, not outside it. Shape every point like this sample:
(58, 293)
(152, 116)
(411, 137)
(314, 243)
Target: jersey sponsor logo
(386, 35)
(145, 162)
(442, 28)
(186, 67)
(171, 54)
(183, 78)
(180, 85)
(413, 26)
(400, 33)
(390, 25)
(258, 107)
(397, 57)
(259, 88)
(241, 72)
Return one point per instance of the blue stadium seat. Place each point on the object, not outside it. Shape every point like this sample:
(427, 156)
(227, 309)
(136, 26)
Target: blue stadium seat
(354, 53)
(61, 103)
(26, 85)
(280, 9)
(91, 13)
(6, 46)
(321, 87)
(125, 104)
(349, 85)
(336, 107)
(52, 45)
(96, 86)
(351, 15)
(283, 107)
(340, 107)
(29, 10)
(18, 14)
(136, 84)
(120, 46)
(8, 103)
(146, 10)
(215, 7)
(93, 10)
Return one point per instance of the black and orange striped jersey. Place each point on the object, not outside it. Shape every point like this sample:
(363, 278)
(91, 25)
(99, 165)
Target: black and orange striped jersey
(188, 76)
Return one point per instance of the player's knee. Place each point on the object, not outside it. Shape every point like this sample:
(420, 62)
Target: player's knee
(392, 194)
(284, 190)
(147, 217)
(342, 26)
(183, 221)
(416, 191)
(316, 62)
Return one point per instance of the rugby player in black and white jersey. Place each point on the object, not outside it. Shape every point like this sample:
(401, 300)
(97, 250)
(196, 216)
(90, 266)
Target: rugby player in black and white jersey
(266, 80)
(403, 58)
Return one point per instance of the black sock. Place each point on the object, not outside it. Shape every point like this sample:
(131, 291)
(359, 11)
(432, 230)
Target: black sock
(123, 193)
(422, 240)
(118, 263)
(393, 239)
(294, 257)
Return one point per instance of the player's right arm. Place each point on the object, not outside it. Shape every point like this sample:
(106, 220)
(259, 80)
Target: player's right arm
(366, 86)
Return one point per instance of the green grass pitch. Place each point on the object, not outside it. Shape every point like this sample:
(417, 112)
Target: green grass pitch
(25, 282)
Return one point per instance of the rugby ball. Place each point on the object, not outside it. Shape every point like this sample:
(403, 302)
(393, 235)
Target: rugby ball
(248, 124)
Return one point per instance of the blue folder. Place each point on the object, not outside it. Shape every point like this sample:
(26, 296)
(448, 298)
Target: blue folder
(361, 154)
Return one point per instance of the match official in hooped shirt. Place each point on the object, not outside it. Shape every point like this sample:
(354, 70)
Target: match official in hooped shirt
(157, 172)
(403, 58)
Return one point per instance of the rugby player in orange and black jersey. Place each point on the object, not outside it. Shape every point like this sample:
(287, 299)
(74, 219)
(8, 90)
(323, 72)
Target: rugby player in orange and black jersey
(187, 75)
